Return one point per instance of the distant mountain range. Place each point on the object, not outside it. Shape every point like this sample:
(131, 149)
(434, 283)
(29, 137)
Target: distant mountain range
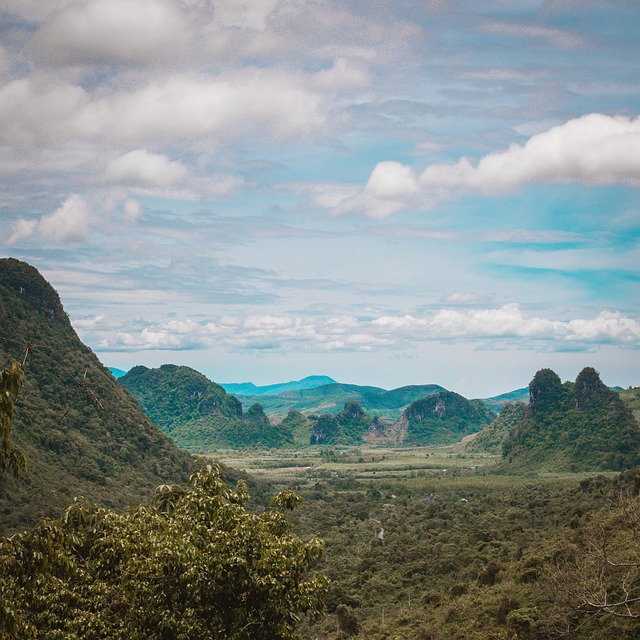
(250, 389)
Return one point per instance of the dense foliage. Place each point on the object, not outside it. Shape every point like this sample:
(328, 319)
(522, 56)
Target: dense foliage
(11, 458)
(194, 565)
(574, 426)
(475, 557)
(81, 432)
(198, 413)
(444, 417)
(490, 439)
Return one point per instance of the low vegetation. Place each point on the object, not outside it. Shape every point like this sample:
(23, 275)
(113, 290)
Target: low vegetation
(430, 542)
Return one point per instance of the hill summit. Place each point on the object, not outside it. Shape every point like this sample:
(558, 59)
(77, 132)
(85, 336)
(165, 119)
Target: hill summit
(573, 426)
(82, 433)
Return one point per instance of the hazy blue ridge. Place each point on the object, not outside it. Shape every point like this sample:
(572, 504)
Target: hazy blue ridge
(117, 373)
(250, 389)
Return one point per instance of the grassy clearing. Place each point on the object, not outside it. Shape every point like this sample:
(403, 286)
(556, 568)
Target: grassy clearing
(303, 468)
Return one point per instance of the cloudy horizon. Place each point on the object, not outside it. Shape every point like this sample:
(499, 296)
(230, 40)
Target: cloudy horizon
(434, 192)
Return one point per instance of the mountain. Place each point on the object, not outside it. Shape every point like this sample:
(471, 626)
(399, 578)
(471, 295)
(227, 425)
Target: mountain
(573, 427)
(117, 373)
(331, 398)
(250, 389)
(198, 413)
(442, 418)
(496, 403)
(82, 432)
(490, 439)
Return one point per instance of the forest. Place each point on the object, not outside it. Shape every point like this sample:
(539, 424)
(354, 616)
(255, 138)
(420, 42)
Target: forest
(523, 525)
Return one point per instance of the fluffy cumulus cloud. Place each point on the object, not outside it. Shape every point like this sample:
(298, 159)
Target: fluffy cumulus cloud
(140, 167)
(111, 31)
(347, 333)
(68, 224)
(595, 149)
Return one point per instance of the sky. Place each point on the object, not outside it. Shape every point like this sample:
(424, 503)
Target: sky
(387, 193)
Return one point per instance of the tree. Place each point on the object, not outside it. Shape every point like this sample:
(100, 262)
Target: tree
(598, 571)
(11, 458)
(193, 565)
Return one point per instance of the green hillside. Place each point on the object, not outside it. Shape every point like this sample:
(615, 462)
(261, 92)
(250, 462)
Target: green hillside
(490, 439)
(199, 414)
(82, 433)
(443, 418)
(574, 426)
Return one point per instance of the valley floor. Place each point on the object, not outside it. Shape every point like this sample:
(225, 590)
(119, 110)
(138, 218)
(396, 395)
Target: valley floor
(434, 543)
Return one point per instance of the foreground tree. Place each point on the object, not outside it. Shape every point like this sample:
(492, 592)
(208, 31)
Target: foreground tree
(598, 571)
(193, 565)
(11, 458)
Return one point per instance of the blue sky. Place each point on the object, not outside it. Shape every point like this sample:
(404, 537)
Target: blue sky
(387, 193)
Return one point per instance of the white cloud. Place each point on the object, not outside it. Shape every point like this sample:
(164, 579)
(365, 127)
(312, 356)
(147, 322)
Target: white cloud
(69, 223)
(178, 108)
(110, 31)
(294, 333)
(344, 73)
(132, 209)
(556, 37)
(140, 167)
(392, 179)
(460, 297)
(595, 149)
(22, 229)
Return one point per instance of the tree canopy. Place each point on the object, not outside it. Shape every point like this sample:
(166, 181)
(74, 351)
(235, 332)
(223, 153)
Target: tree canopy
(11, 457)
(193, 565)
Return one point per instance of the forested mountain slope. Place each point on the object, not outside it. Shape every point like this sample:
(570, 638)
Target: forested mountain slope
(574, 426)
(198, 413)
(82, 432)
(443, 418)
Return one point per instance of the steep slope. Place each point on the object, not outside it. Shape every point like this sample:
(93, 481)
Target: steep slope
(83, 434)
(346, 427)
(199, 414)
(491, 438)
(442, 418)
(574, 426)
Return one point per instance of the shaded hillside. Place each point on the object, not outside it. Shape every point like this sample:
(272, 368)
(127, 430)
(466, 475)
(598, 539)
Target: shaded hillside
(574, 426)
(172, 395)
(331, 398)
(491, 438)
(442, 418)
(82, 433)
(631, 397)
(199, 414)
(346, 427)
